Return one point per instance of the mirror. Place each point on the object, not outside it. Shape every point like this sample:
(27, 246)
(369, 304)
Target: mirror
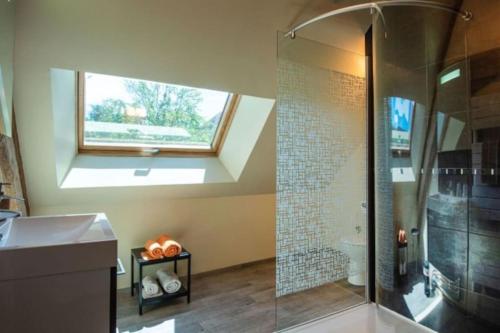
(7, 27)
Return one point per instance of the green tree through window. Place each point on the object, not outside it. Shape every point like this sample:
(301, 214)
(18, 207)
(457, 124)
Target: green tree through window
(155, 105)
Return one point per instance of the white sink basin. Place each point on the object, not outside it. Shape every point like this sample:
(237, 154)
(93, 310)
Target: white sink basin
(54, 230)
(33, 246)
(58, 271)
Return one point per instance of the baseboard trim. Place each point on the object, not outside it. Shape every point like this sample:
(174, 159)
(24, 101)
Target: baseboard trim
(234, 267)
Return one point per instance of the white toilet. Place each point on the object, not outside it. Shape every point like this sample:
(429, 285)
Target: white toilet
(355, 248)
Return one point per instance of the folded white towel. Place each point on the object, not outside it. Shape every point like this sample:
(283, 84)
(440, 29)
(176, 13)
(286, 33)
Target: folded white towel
(169, 281)
(146, 295)
(150, 286)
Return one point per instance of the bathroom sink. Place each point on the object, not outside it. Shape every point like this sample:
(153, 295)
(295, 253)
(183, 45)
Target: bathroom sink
(33, 246)
(58, 271)
(55, 230)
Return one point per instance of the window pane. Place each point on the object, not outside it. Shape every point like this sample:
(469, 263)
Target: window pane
(137, 113)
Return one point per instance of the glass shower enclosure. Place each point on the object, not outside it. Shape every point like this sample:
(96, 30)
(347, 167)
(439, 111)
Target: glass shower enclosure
(437, 134)
(321, 181)
(436, 166)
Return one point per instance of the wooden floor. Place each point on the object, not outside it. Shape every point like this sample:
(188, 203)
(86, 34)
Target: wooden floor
(240, 299)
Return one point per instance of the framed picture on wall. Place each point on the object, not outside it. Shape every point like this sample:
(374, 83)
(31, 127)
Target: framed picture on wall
(402, 112)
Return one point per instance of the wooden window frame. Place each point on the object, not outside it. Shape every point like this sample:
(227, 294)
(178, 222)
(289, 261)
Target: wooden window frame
(215, 149)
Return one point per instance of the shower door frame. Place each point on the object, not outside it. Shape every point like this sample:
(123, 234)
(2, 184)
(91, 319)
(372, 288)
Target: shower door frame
(370, 155)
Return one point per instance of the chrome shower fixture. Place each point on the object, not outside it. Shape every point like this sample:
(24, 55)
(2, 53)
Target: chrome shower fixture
(377, 7)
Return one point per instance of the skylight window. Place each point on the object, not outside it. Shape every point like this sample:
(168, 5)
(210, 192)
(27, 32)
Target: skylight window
(130, 115)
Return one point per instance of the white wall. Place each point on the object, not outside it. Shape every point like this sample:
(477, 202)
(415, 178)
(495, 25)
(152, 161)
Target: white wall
(218, 44)
(220, 232)
(63, 86)
(244, 132)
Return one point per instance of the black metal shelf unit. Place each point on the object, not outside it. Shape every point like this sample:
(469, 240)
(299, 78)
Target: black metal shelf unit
(135, 257)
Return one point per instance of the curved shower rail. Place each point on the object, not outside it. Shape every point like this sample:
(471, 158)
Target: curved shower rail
(377, 6)
(370, 5)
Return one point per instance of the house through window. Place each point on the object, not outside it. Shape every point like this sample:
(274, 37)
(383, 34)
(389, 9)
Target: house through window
(118, 114)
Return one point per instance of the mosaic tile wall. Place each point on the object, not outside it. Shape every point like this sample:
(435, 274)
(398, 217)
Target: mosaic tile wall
(320, 123)
(384, 201)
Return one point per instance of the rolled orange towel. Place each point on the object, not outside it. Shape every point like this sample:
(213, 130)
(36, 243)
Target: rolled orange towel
(170, 247)
(154, 249)
(163, 238)
(146, 256)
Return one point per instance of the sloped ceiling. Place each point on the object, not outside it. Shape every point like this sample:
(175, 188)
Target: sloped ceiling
(222, 44)
(345, 31)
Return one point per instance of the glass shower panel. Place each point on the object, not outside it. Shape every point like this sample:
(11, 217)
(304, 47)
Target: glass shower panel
(448, 197)
(436, 154)
(483, 285)
(321, 181)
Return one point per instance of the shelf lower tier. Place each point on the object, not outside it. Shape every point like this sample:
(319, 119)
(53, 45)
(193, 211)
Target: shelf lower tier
(160, 299)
